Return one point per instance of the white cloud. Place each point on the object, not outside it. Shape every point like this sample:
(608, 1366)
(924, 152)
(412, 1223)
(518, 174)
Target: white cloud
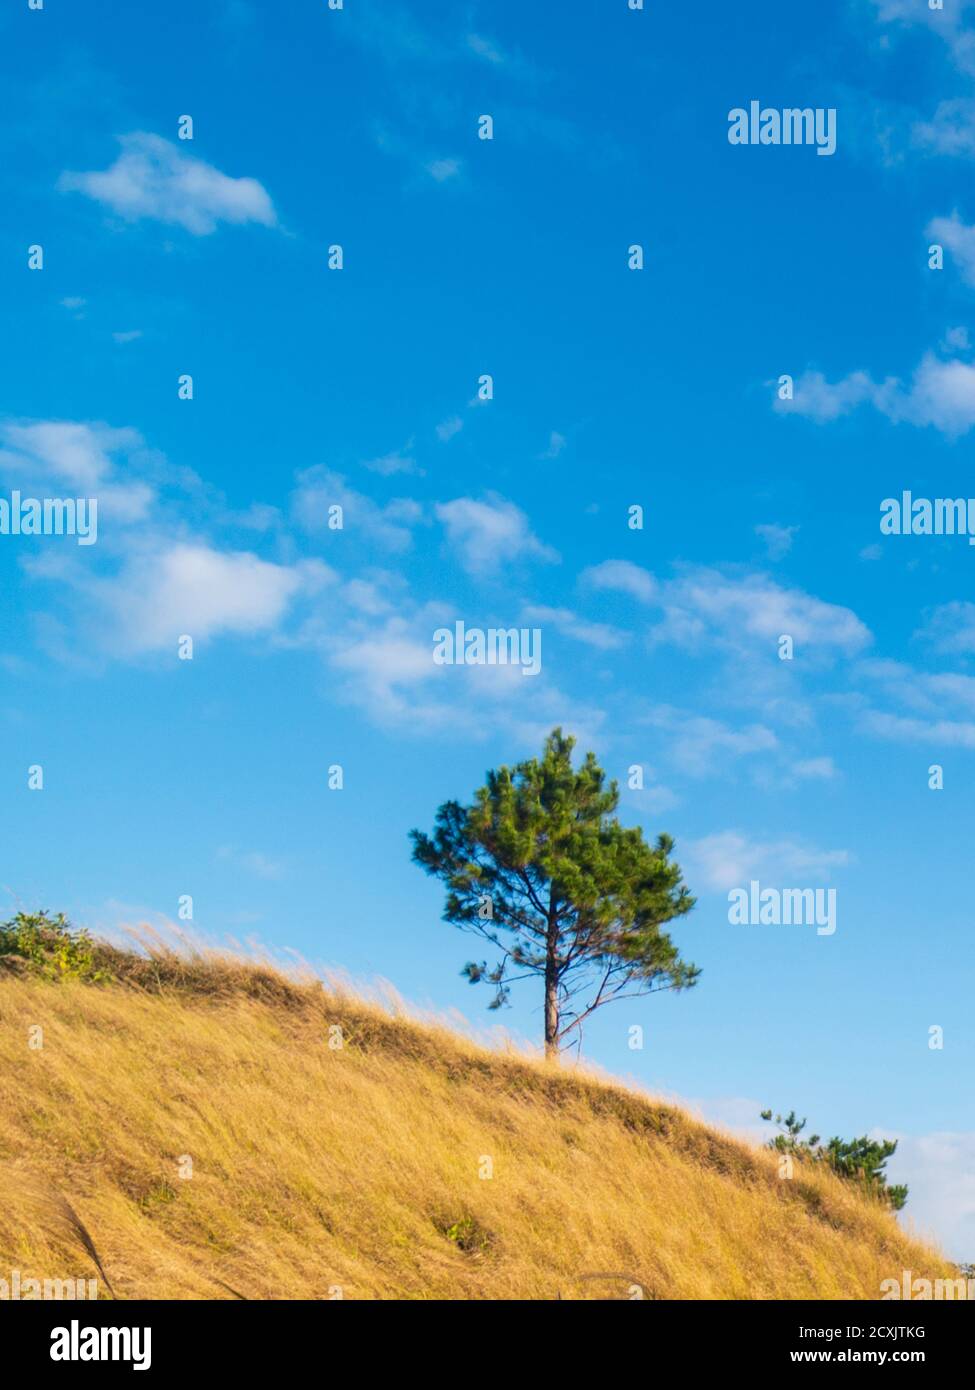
(370, 595)
(927, 692)
(89, 460)
(731, 859)
(755, 607)
(704, 604)
(488, 535)
(129, 336)
(194, 589)
(959, 239)
(622, 576)
(820, 400)
(932, 732)
(154, 178)
(385, 664)
(388, 671)
(941, 394)
(939, 1170)
(939, 706)
(397, 461)
(150, 579)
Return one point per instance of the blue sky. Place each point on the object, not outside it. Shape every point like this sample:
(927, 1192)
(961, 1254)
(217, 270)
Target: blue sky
(612, 388)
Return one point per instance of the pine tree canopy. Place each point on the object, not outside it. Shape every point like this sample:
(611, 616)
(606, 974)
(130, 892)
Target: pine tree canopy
(539, 867)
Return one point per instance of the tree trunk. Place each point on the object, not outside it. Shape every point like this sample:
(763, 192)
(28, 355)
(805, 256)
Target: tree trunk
(552, 985)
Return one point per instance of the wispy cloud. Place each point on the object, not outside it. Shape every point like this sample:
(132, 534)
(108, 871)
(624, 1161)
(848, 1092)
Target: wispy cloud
(440, 170)
(777, 539)
(731, 858)
(947, 24)
(707, 605)
(936, 708)
(815, 769)
(754, 606)
(928, 692)
(950, 131)
(726, 610)
(700, 745)
(91, 459)
(950, 627)
(959, 239)
(948, 733)
(598, 635)
(485, 48)
(387, 670)
(556, 443)
(319, 488)
(252, 861)
(396, 461)
(488, 534)
(449, 427)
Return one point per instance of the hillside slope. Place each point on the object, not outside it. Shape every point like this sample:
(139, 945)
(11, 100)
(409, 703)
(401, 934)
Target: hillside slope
(363, 1168)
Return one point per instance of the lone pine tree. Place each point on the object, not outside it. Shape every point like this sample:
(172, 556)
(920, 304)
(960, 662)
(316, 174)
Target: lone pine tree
(540, 867)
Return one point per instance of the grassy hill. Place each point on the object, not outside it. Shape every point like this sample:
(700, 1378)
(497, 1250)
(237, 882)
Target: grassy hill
(318, 1168)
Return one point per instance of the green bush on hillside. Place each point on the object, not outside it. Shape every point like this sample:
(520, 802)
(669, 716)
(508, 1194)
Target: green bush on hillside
(49, 947)
(860, 1160)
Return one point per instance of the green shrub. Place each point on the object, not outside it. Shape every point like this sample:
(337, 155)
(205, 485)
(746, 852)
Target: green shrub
(467, 1234)
(49, 947)
(860, 1160)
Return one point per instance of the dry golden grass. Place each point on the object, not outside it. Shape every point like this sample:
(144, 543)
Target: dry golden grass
(359, 1169)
